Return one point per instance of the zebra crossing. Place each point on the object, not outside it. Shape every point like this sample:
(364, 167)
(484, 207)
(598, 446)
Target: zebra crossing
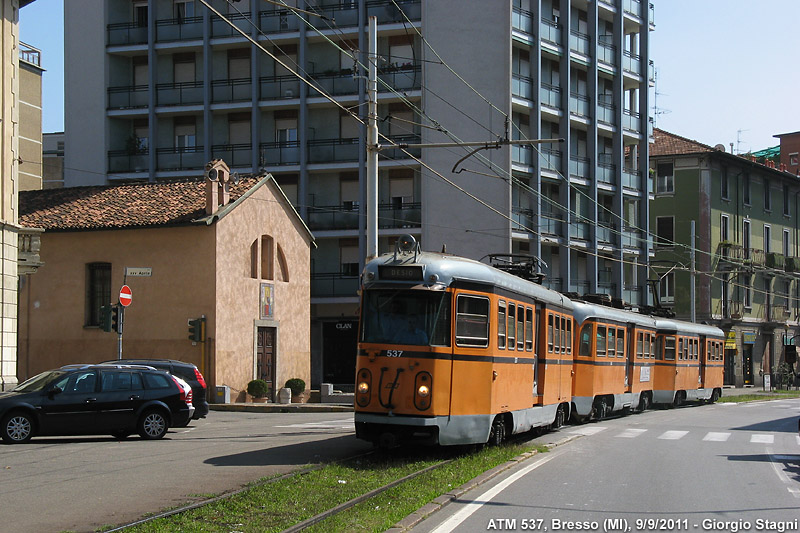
(711, 436)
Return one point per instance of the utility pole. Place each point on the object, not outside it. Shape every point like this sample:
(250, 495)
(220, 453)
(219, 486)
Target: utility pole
(372, 140)
(693, 274)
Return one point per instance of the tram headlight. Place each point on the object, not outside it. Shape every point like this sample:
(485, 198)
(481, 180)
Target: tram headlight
(363, 387)
(423, 391)
(423, 384)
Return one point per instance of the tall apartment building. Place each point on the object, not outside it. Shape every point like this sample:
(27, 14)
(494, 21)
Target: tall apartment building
(156, 88)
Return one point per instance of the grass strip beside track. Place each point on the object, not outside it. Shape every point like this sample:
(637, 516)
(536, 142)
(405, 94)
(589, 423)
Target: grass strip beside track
(760, 395)
(277, 505)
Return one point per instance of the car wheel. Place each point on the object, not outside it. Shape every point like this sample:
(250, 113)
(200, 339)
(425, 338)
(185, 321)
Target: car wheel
(17, 428)
(153, 425)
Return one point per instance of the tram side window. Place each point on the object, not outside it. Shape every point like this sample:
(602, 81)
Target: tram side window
(659, 348)
(472, 321)
(680, 349)
(520, 328)
(612, 342)
(557, 334)
(569, 336)
(528, 329)
(620, 343)
(512, 309)
(601, 341)
(669, 348)
(653, 347)
(550, 329)
(501, 324)
(639, 345)
(585, 347)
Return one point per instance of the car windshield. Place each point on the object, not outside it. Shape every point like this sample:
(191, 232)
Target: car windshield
(413, 317)
(38, 382)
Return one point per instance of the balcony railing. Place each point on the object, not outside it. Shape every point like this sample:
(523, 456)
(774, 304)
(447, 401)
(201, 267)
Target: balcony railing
(580, 230)
(29, 54)
(221, 28)
(126, 33)
(389, 11)
(551, 224)
(180, 158)
(579, 42)
(607, 233)
(399, 153)
(279, 153)
(333, 284)
(235, 155)
(279, 87)
(633, 238)
(731, 309)
(279, 21)
(523, 219)
(632, 179)
(632, 294)
(522, 86)
(776, 260)
(550, 31)
(631, 120)
(179, 29)
(522, 20)
(550, 95)
(579, 166)
(631, 62)
(30, 244)
(605, 113)
(342, 217)
(125, 161)
(607, 53)
(231, 90)
(633, 7)
(579, 104)
(181, 93)
(127, 97)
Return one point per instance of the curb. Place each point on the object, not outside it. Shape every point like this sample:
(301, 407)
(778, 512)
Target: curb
(282, 408)
(424, 512)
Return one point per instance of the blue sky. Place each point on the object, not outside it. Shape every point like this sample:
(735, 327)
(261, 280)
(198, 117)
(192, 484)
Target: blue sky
(727, 69)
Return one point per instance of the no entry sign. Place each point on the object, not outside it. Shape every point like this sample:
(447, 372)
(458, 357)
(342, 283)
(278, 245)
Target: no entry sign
(125, 297)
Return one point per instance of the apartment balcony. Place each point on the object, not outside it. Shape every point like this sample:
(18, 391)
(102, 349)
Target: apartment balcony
(792, 264)
(756, 257)
(731, 309)
(632, 7)
(605, 113)
(607, 53)
(279, 87)
(775, 260)
(607, 287)
(777, 314)
(606, 169)
(522, 20)
(231, 90)
(523, 220)
(180, 93)
(631, 121)
(389, 11)
(388, 153)
(123, 161)
(279, 21)
(179, 29)
(579, 42)
(180, 158)
(29, 54)
(393, 78)
(550, 159)
(550, 224)
(221, 28)
(731, 256)
(332, 284)
(30, 244)
(580, 230)
(633, 295)
(550, 96)
(631, 63)
(235, 155)
(606, 233)
(554, 284)
(522, 87)
(580, 286)
(126, 33)
(550, 31)
(333, 150)
(279, 153)
(633, 238)
(579, 166)
(579, 104)
(345, 217)
(632, 179)
(127, 97)
(337, 84)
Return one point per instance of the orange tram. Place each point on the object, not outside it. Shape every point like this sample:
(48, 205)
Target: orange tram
(454, 351)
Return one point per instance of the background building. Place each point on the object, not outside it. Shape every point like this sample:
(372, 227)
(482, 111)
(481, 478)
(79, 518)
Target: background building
(52, 160)
(30, 120)
(154, 89)
(746, 263)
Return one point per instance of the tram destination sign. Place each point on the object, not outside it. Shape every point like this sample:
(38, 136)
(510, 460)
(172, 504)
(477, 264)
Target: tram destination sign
(400, 273)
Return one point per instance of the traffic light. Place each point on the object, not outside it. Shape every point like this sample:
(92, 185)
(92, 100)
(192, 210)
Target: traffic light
(791, 354)
(196, 329)
(105, 317)
(116, 323)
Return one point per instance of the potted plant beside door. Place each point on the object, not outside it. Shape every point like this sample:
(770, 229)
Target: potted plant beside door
(298, 387)
(258, 389)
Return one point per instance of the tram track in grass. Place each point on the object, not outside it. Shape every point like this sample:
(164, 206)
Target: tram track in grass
(373, 491)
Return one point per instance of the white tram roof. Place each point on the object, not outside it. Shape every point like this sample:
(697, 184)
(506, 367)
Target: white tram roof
(688, 328)
(441, 270)
(584, 310)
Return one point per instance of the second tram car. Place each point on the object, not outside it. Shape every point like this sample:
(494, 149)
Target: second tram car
(454, 351)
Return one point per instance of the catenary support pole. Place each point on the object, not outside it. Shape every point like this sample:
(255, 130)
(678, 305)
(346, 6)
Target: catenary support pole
(372, 141)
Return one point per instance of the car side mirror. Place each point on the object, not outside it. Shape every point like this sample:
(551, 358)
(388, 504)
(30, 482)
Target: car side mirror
(53, 391)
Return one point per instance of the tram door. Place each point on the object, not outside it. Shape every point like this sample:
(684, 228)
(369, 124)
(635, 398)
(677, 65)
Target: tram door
(630, 348)
(265, 359)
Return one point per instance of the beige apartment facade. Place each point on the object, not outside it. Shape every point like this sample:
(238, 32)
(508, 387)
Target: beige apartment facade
(242, 266)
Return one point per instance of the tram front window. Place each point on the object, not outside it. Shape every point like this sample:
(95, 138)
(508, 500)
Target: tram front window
(416, 317)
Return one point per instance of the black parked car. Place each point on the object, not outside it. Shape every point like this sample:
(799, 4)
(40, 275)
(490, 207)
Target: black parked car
(94, 400)
(186, 371)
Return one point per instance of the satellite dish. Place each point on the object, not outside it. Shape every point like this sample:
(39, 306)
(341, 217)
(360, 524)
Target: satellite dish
(720, 147)
(212, 174)
(235, 178)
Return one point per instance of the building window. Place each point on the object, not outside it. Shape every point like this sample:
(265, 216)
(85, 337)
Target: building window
(665, 181)
(767, 238)
(98, 291)
(140, 14)
(746, 238)
(348, 257)
(746, 189)
(724, 184)
(793, 159)
(767, 196)
(665, 231)
(184, 9)
(667, 292)
(786, 200)
(748, 292)
(724, 226)
(786, 241)
(185, 133)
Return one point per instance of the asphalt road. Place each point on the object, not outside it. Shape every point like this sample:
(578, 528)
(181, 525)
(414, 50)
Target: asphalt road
(81, 484)
(725, 467)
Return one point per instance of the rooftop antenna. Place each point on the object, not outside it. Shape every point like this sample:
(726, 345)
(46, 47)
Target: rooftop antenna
(657, 110)
(739, 141)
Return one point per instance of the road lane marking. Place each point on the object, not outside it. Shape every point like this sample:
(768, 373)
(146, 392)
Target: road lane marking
(328, 424)
(717, 437)
(631, 433)
(588, 430)
(469, 508)
(773, 460)
(672, 435)
(762, 439)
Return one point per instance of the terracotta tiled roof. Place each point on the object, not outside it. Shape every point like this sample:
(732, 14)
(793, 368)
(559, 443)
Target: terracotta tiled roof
(164, 203)
(670, 144)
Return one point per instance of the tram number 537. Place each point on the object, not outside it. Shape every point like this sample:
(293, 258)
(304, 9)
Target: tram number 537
(394, 353)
